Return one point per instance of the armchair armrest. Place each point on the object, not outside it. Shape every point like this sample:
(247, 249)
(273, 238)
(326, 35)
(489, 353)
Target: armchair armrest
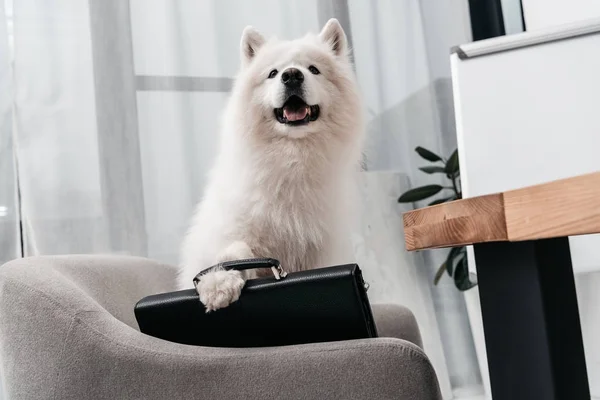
(66, 332)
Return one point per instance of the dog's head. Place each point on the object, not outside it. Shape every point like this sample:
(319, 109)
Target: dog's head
(300, 87)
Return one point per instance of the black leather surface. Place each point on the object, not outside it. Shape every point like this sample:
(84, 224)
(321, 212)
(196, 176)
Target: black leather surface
(320, 305)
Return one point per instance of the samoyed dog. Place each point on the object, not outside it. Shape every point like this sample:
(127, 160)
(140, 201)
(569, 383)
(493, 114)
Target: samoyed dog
(282, 184)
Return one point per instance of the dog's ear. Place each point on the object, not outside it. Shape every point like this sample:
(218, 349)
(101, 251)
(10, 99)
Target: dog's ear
(333, 35)
(251, 42)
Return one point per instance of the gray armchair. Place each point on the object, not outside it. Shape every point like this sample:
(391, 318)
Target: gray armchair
(67, 331)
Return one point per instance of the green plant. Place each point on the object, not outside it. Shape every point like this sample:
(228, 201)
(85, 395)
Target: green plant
(456, 264)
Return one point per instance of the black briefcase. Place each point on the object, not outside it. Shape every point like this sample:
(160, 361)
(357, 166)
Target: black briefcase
(319, 305)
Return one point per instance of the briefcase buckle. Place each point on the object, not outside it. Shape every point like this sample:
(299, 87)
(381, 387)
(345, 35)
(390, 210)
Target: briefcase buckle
(278, 272)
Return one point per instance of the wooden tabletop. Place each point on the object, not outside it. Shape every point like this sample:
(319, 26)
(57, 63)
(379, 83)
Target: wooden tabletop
(566, 207)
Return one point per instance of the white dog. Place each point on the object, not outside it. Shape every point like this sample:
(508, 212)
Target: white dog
(282, 185)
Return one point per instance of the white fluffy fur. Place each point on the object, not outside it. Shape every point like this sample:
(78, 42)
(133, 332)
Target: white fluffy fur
(276, 190)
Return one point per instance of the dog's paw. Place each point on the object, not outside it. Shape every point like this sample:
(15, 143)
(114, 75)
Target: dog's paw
(220, 288)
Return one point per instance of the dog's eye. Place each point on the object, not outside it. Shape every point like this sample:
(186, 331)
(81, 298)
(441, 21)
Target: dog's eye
(273, 74)
(314, 70)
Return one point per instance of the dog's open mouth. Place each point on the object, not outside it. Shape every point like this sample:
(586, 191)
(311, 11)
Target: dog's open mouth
(295, 111)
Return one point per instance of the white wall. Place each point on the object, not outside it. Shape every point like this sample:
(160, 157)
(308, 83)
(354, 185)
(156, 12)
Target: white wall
(513, 16)
(545, 13)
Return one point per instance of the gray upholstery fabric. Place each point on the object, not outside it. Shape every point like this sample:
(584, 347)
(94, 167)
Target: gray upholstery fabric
(67, 331)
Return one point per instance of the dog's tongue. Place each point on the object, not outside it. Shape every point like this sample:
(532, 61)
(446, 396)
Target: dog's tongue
(295, 115)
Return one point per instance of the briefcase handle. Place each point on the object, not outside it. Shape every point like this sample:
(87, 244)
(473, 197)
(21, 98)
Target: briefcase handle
(241, 265)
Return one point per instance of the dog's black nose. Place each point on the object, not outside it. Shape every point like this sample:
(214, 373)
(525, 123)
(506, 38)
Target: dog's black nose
(292, 77)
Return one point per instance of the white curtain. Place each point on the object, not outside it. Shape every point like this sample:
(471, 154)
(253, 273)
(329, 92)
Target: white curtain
(10, 243)
(116, 103)
(9, 213)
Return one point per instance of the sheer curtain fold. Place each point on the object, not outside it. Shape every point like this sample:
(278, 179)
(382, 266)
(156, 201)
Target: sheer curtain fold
(116, 106)
(55, 111)
(10, 240)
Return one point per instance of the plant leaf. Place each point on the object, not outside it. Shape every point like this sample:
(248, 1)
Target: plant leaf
(443, 200)
(452, 164)
(461, 276)
(452, 254)
(419, 193)
(428, 155)
(439, 273)
(456, 174)
(433, 169)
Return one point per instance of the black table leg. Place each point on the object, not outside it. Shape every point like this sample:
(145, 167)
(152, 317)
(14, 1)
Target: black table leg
(531, 320)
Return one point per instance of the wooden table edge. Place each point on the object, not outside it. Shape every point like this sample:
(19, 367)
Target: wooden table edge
(560, 208)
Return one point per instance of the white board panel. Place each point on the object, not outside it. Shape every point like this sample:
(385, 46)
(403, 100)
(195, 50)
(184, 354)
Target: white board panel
(529, 115)
(545, 13)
